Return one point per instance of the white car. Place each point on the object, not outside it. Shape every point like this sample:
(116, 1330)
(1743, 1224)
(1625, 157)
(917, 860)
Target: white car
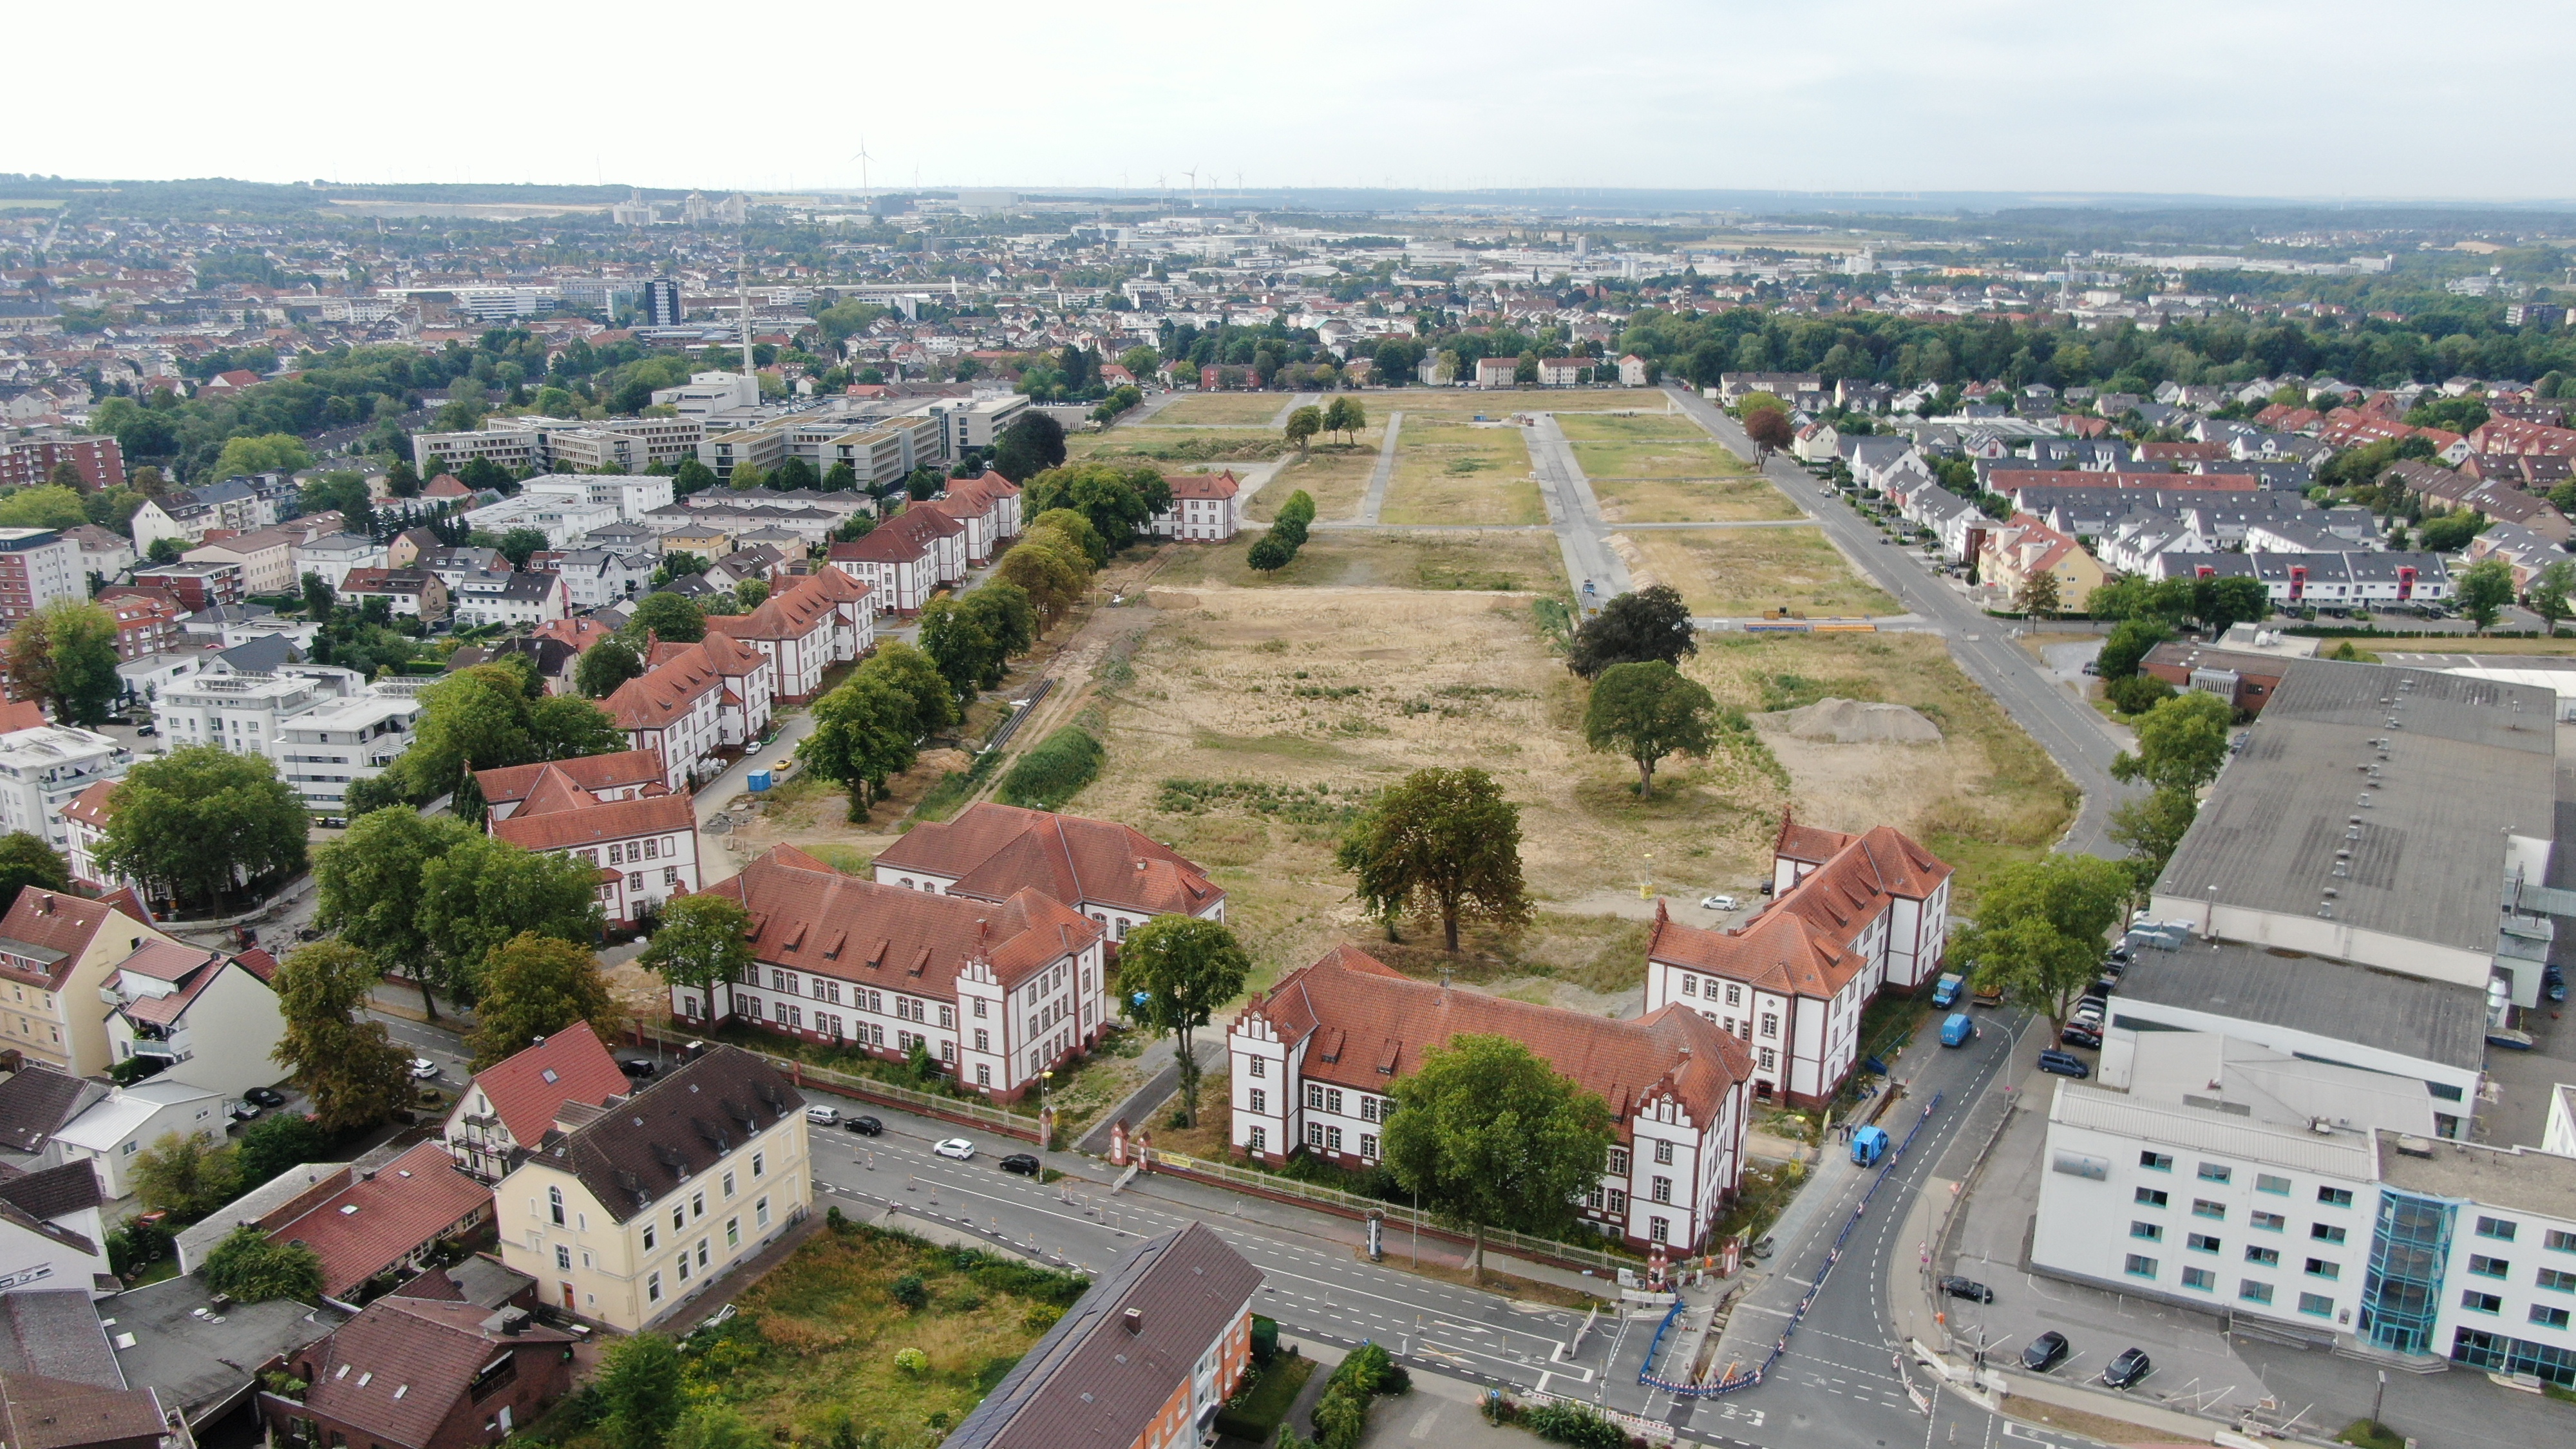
(957, 1147)
(1717, 903)
(823, 1116)
(423, 1068)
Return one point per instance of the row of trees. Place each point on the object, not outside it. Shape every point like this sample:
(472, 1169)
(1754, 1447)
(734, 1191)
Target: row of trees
(1345, 415)
(1277, 549)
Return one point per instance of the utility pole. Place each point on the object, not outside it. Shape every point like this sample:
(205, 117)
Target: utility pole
(742, 286)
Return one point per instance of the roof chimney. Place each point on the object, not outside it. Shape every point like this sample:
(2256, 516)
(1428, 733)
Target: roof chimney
(45, 904)
(1134, 1319)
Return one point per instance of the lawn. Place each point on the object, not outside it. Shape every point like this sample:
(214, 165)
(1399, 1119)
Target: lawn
(1174, 445)
(1703, 500)
(1335, 474)
(1467, 402)
(1740, 572)
(1628, 427)
(1245, 409)
(1458, 473)
(1658, 458)
(1497, 561)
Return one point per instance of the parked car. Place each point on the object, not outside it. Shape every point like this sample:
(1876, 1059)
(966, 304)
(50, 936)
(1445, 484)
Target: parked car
(823, 1116)
(1968, 1288)
(1945, 992)
(423, 1068)
(2510, 1040)
(1025, 1164)
(2128, 1368)
(957, 1147)
(1717, 903)
(2064, 1064)
(2077, 1034)
(265, 1096)
(244, 1111)
(1958, 1030)
(146, 729)
(865, 1126)
(638, 1068)
(2044, 1352)
(1760, 1250)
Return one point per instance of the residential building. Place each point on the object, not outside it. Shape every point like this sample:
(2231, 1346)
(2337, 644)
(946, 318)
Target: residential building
(70, 1389)
(905, 559)
(209, 1018)
(995, 993)
(645, 850)
(386, 1223)
(516, 449)
(265, 556)
(1205, 508)
(1632, 370)
(243, 712)
(813, 622)
(631, 494)
(594, 578)
(2332, 582)
(147, 621)
(333, 555)
(37, 566)
(56, 952)
(1116, 876)
(338, 742)
(1497, 371)
(129, 1119)
(1850, 916)
(205, 584)
(1316, 1057)
(563, 518)
(692, 702)
(234, 504)
(1564, 371)
(84, 827)
(1143, 1360)
(624, 775)
(53, 1236)
(631, 1212)
(1734, 387)
(429, 1373)
(413, 591)
(43, 769)
(989, 509)
(37, 1101)
(30, 462)
(104, 554)
(513, 1103)
(510, 598)
(2024, 549)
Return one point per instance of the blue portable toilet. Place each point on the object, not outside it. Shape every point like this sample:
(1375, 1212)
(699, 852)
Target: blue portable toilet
(1958, 1030)
(1869, 1144)
(759, 781)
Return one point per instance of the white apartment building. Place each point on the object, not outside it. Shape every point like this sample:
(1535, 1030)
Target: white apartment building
(597, 577)
(333, 555)
(37, 566)
(42, 769)
(512, 448)
(563, 520)
(708, 393)
(509, 598)
(324, 750)
(631, 494)
(975, 422)
(243, 712)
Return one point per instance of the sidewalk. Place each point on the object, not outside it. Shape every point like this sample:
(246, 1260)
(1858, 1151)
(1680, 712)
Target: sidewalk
(1164, 1057)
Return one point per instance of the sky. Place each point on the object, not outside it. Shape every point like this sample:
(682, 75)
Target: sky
(2362, 99)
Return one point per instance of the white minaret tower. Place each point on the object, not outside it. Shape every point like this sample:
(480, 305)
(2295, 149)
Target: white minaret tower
(742, 284)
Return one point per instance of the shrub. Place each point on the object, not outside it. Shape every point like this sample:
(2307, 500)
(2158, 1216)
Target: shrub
(1041, 1317)
(1573, 1424)
(1055, 771)
(248, 1268)
(912, 1361)
(909, 1291)
(2137, 694)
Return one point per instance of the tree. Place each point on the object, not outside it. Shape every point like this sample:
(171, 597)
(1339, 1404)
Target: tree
(1769, 428)
(267, 453)
(368, 888)
(274, 1144)
(2483, 589)
(1076, 529)
(923, 484)
(165, 550)
(2450, 532)
(2040, 929)
(1269, 554)
(1303, 424)
(863, 735)
(1031, 444)
(1443, 841)
(745, 477)
(2038, 595)
(699, 942)
(1183, 969)
(2130, 641)
(910, 672)
(201, 820)
(1652, 623)
(959, 646)
(519, 545)
(536, 986)
(47, 506)
(1119, 502)
(186, 1176)
(2548, 594)
(690, 477)
(347, 1066)
(1647, 710)
(605, 665)
(1345, 416)
(750, 594)
(668, 618)
(1492, 1136)
(247, 1268)
(642, 1391)
(2149, 828)
(26, 860)
(485, 892)
(64, 655)
(2137, 694)
(402, 480)
(840, 477)
(1007, 615)
(1049, 568)
(345, 493)
(2221, 604)
(319, 599)
(2182, 744)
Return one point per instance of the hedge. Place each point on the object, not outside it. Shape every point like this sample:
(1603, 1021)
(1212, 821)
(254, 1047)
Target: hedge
(1055, 771)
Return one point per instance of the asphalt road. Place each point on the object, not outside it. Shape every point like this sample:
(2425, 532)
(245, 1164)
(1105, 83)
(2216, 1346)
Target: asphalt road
(2072, 733)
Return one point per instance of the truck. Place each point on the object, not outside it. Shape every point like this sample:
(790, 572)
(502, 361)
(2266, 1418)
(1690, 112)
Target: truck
(1945, 992)
(1958, 1030)
(1869, 1144)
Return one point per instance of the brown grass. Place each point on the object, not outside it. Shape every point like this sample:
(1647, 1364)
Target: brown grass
(1460, 473)
(1335, 474)
(1628, 427)
(1174, 445)
(1739, 572)
(1659, 458)
(1499, 561)
(1717, 500)
(1468, 402)
(1226, 407)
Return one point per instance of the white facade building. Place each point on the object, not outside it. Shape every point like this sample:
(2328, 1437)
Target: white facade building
(324, 750)
(41, 769)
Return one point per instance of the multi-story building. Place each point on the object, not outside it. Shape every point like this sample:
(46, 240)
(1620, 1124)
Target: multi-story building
(692, 701)
(634, 1211)
(564, 520)
(56, 951)
(243, 712)
(818, 620)
(1115, 875)
(513, 1103)
(209, 1018)
(333, 555)
(644, 849)
(467, 1373)
(1205, 508)
(1316, 1057)
(976, 422)
(30, 462)
(511, 598)
(511, 448)
(37, 566)
(43, 769)
(905, 559)
(995, 993)
(625, 775)
(708, 393)
(237, 505)
(417, 592)
(624, 445)
(324, 750)
(205, 584)
(989, 515)
(594, 578)
(632, 495)
(661, 303)
(147, 621)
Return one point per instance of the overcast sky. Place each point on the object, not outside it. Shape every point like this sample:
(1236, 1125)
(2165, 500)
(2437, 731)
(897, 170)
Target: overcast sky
(2238, 97)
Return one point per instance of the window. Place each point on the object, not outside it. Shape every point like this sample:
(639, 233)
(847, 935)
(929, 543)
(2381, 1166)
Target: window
(2324, 1268)
(2266, 1182)
(1734, 995)
(2486, 1267)
(698, 1200)
(1770, 1024)
(2152, 1232)
(2202, 1207)
(2139, 1267)
(2556, 1281)
(563, 1258)
(1663, 1189)
(679, 1217)
(2325, 1233)
(1368, 1109)
(2253, 1292)
(1332, 1139)
(1618, 1203)
(2335, 1196)
(1314, 1096)
(760, 1212)
(2316, 1305)
(1368, 1145)
(648, 1237)
(2200, 1278)
(1770, 1060)
(1659, 1230)
(1690, 984)
(1259, 1101)
(2216, 1172)
(2202, 1243)
(1254, 1067)
(2478, 1302)
(2499, 1229)
(653, 1287)
(979, 1006)
(702, 1252)
(2263, 1257)
(2548, 1317)
(1333, 1100)
(983, 1076)
(2269, 1222)
(1618, 1162)
(2559, 1241)
(1314, 1134)
(984, 1043)
(1258, 1139)
(1664, 1153)
(2156, 1161)
(2153, 1196)
(554, 1205)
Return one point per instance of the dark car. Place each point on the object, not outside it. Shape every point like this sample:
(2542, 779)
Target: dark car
(265, 1096)
(2077, 1034)
(1021, 1163)
(638, 1068)
(2128, 1368)
(865, 1126)
(2064, 1064)
(1968, 1288)
(2045, 1352)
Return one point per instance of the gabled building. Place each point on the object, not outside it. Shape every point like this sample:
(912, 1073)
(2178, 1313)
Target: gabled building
(1316, 1057)
(988, 508)
(624, 775)
(1206, 508)
(815, 621)
(52, 1232)
(421, 1373)
(643, 850)
(692, 701)
(411, 590)
(383, 1223)
(514, 1102)
(905, 558)
(56, 951)
(211, 1019)
(1117, 876)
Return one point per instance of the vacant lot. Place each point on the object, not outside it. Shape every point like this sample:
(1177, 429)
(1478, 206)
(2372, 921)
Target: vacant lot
(1460, 473)
(1245, 408)
(1174, 445)
(1336, 474)
(1739, 572)
(1699, 500)
(1658, 458)
(1467, 402)
(1628, 427)
(1496, 561)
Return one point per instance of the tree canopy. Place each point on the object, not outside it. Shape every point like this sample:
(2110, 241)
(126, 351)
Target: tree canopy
(2182, 743)
(699, 942)
(535, 986)
(1117, 502)
(2041, 928)
(368, 888)
(1029, 445)
(201, 822)
(27, 860)
(1651, 623)
(667, 617)
(64, 655)
(1443, 842)
(1175, 972)
(346, 1065)
(1492, 1136)
(247, 1268)
(1647, 710)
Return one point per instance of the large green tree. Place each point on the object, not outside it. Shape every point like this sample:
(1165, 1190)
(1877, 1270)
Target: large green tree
(1651, 623)
(201, 821)
(2182, 744)
(605, 665)
(2548, 594)
(346, 1065)
(643, 1390)
(1492, 1136)
(2149, 828)
(699, 943)
(536, 986)
(1646, 711)
(26, 860)
(864, 733)
(368, 887)
(2482, 590)
(64, 655)
(959, 645)
(491, 716)
(1443, 842)
(1029, 445)
(2041, 928)
(1175, 972)
(1049, 568)
(247, 1268)
(186, 1175)
(668, 618)
(1303, 424)
(484, 892)
(1118, 502)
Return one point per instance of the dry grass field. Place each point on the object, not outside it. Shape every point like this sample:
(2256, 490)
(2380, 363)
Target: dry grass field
(1658, 458)
(1335, 473)
(1468, 402)
(1740, 572)
(1244, 409)
(1174, 445)
(1461, 473)
(1697, 500)
(1526, 561)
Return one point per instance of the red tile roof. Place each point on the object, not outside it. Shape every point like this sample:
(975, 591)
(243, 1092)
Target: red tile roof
(529, 1087)
(89, 807)
(679, 676)
(397, 1370)
(574, 825)
(21, 714)
(807, 915)
(374, 1223)
(1204, 485)
(804, 606)
(622, 770)
(906, 536)
(45, 933)
(1805, 943)
(993, 850)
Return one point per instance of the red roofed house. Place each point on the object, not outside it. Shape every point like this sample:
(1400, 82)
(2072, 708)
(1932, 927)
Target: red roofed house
(2025, 548)
(385, 1222)
(514, 1102)
(56, 951)
(1314, 1059)
(905, 558)
(995, 991)
(1852, 914)
(422, 1373)
(211, 1018)
(1204, 507)
(225, 383)
(644, 850)
(1114, 875)
(620, 776)
(692, 701)
(2514, 435)
(816, 621)
(988, 507)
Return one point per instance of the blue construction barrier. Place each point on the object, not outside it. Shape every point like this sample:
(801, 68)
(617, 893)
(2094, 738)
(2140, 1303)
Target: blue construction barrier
(1732, 1382)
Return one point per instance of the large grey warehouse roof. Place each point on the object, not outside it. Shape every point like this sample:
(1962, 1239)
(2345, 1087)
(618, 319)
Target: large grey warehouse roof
(2429, 1021)
(2404, 780)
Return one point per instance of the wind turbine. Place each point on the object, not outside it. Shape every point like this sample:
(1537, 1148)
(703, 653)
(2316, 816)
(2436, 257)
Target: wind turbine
(1162, 192)
(1193, 174)
(863, 158)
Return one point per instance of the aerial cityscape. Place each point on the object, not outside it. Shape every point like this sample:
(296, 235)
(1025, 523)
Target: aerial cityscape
(1340, 777)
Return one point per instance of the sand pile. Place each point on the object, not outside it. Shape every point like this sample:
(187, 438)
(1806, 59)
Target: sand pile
(1852, 722)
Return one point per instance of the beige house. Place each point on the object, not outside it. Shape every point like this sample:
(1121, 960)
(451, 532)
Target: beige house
(56, 952)
(641, 1204)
